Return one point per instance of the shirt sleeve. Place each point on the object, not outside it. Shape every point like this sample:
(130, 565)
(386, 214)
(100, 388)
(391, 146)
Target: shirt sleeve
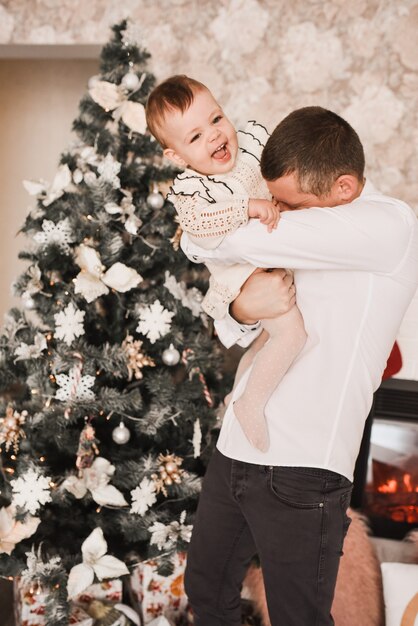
(231, 332)
(363, 235)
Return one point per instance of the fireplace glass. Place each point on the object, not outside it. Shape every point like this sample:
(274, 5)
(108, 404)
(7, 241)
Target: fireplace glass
(391, 490)
(387, 468)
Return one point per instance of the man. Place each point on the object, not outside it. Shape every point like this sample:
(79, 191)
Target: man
(355, 262)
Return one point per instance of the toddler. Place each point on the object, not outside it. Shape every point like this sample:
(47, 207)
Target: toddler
(220, 189)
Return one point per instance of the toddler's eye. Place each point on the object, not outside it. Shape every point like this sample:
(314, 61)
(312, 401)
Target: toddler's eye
(195, 138)
(217, 119)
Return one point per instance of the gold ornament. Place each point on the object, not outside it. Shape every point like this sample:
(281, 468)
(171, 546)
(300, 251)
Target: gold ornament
(170, 472)
(175, 239)
(11, 428)
(136, 359)
(104, 614)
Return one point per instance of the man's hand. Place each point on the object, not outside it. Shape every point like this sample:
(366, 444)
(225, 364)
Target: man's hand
(265, 294)
(266, 211)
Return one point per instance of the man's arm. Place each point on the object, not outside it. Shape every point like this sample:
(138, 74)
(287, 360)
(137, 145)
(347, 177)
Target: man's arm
(271, 291)
(366, 235)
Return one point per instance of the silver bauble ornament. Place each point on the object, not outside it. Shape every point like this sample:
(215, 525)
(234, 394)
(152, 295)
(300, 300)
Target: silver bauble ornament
(28, 301)
(121, 434)
(171, 356)
(155, 200)
(130, 81)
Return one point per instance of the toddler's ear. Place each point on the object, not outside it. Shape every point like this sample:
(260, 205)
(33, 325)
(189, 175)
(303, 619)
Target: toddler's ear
(174, 157)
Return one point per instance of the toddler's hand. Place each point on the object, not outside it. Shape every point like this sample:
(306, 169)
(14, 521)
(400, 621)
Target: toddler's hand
(266, 211)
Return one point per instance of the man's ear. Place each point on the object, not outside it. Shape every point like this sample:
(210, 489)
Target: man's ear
(347, 187)
(174, 157)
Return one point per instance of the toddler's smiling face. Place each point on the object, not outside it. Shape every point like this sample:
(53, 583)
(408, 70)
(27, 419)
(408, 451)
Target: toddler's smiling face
(202, 138)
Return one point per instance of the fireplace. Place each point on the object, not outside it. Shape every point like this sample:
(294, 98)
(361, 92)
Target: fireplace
(386, 474)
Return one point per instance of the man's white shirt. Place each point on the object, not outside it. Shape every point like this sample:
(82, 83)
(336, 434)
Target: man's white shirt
(356, 271)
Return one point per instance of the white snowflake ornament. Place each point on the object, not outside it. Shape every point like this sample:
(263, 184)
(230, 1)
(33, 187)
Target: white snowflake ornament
(69, 324)
(59, 234)
(31, 491)
(143, 496)
(155, 321)
(74, 386)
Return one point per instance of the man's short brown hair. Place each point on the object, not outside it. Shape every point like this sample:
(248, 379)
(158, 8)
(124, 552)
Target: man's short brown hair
(174, 94)
(316, 144)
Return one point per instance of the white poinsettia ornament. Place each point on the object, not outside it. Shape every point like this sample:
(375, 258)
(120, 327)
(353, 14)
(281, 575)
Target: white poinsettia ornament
(69, 324)
(133, 115)
(59, 234)
(107, 95)
(13, 531)
(94, 281)
(46, 192)
(108, 170)
(95, 562)
(96, 480)
(126, 210)
(113, 98)
(155, 321)
(190, 298)
(165, 536)
(31, 351)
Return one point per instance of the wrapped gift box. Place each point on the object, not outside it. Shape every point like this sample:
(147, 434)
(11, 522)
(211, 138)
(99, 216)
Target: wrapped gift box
(161, 595)
(30, 608)
(109, 591)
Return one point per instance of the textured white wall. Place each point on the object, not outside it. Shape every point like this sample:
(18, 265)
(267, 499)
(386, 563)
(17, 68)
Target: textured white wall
(263, 58)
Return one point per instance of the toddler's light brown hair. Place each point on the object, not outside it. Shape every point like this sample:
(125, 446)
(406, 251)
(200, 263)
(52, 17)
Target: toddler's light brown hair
(174, 94)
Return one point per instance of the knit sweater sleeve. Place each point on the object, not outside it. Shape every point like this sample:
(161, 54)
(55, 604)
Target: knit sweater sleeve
(202, 217)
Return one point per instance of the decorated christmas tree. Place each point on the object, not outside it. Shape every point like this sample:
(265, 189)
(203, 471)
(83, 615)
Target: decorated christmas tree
(109, 374)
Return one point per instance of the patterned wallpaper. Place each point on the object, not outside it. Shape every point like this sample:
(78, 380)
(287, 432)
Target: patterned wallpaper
(263, 58)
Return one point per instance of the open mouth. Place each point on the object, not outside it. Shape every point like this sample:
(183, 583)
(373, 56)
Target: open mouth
(222, 153)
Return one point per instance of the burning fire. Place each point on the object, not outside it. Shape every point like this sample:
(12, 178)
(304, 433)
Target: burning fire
(392, 485)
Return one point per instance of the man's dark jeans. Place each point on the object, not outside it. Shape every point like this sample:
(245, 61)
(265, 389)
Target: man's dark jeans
(294, 518)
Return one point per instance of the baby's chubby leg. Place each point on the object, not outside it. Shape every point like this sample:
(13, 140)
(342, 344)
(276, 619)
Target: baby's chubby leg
(273, 359)
(246, 360)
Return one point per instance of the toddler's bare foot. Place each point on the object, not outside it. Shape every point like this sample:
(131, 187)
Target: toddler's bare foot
(253, 423)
